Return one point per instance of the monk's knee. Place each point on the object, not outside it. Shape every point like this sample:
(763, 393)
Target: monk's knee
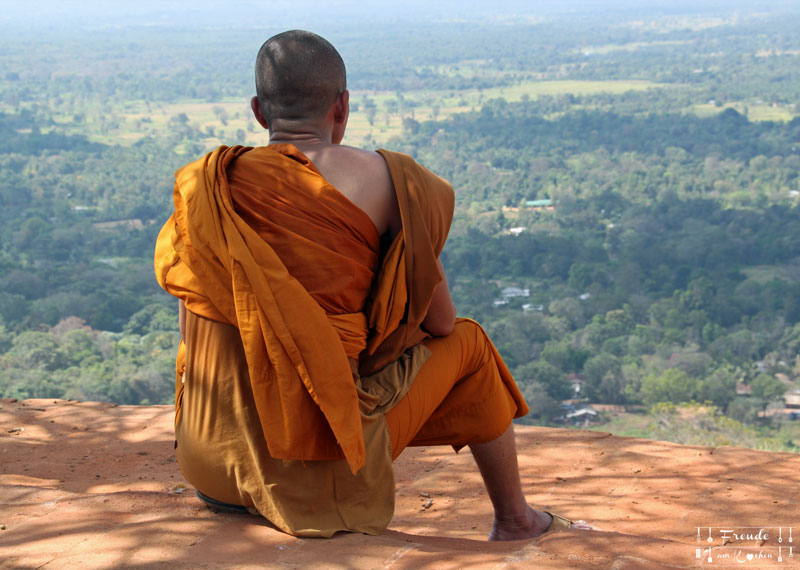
(472, 331)
(468, 327)
(476, 343)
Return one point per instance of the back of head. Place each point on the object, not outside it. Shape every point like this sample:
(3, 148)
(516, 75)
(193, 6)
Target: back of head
(298, 76)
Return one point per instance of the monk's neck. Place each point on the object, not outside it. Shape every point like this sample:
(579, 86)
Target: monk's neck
(305, 143)
(283, 138)
(300, 133)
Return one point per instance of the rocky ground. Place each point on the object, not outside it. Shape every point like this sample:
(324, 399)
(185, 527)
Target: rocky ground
(92, 485)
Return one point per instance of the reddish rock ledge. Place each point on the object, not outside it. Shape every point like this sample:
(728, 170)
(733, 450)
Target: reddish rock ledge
(93, 485)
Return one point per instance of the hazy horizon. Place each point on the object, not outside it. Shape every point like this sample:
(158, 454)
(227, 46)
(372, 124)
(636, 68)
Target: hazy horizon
(180, 14)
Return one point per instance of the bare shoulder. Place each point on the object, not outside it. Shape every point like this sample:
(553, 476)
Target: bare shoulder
(363, 177)
(371, 164)
(375, 189)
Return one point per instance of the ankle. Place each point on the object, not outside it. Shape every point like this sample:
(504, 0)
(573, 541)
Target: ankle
(529, 524)
(518, 518)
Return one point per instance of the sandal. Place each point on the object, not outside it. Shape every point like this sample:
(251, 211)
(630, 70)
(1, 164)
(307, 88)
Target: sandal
(558, 523)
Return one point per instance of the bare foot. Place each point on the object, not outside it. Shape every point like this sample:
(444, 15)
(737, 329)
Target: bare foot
(534, 523)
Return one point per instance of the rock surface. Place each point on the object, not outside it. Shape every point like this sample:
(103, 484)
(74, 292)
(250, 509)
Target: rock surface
(93, 485)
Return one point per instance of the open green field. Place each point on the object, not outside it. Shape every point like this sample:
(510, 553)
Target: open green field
(376, 115)
(786, 437)
(229, 121)
(694, 22)
(765, 273)
(433, 105)
(752, 112)
(627, 424)
(632, 46)
(224, 122)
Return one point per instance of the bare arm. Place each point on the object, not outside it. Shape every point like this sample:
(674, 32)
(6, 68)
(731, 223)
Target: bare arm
(441, 317)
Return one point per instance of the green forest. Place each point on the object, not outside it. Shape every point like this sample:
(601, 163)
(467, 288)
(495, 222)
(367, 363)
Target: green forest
(627, 203)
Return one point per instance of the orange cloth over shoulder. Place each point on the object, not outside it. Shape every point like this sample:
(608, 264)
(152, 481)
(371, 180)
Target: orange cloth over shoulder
(218, 253)
(409, 272)
(324, 240)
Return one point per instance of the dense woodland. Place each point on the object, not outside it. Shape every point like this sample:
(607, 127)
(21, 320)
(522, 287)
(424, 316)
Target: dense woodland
(664, 269)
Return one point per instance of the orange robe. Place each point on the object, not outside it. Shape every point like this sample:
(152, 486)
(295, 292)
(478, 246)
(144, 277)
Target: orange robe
(310, 348)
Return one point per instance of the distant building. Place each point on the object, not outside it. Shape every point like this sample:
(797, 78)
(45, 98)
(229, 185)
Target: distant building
(516, 231)
(509, 292)
(530, 307)
(582, 415)
(539, 205)
(579, 416)
(576, 382)
(793, 399)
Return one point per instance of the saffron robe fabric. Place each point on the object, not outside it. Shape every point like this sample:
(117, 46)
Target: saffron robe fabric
(296, 337)
(207, 255)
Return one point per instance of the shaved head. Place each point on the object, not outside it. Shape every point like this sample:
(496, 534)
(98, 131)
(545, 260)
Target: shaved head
(298, 76)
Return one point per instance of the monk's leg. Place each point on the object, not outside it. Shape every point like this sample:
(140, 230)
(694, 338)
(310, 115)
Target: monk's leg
(514, 519)
(460, 398)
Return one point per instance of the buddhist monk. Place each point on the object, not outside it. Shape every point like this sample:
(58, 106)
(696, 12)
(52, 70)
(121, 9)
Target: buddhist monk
(319, 338)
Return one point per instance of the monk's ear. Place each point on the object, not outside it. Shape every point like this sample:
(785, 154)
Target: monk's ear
(342, 106)
(341, 112)
(258, 114)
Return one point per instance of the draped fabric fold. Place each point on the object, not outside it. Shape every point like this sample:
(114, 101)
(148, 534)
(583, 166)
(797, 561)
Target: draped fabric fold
(299, 335)
(409, 272)
(208, 255)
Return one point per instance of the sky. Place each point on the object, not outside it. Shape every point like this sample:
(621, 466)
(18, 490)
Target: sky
(104, 14)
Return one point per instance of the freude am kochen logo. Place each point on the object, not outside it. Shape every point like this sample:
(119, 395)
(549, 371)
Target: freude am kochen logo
(737, 546)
